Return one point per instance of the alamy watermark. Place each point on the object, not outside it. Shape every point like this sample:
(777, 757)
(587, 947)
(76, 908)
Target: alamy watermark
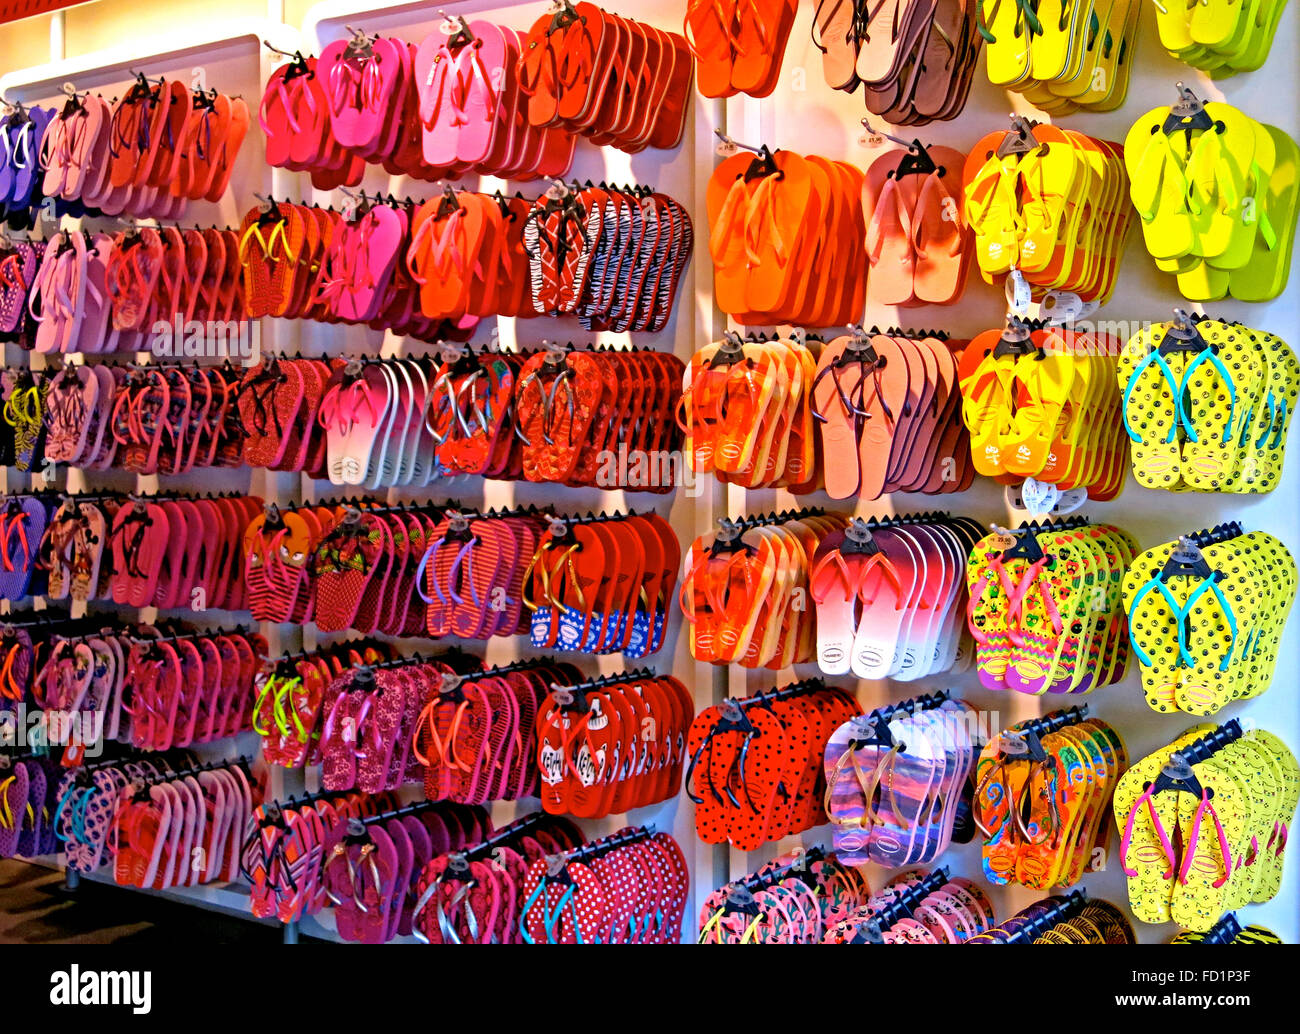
(239, 341)
(81, 731)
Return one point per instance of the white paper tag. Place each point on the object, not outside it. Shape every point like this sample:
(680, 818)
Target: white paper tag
(726, 148)
(1066, 307)
(1019, 294)
(1070, 500)
(1039, 497)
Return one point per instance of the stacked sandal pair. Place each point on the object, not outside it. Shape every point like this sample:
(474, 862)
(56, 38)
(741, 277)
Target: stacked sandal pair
(474, 572)
(792, 899)
(918, 243)
(447, 108)
(163, 144)
(611, 256)
(370, 715)
(1052, 204)
(600, 584)
(738, 45)
(631, 887)
(278, 548)
(745, 590)
(777, 221)
(451, 259)
(1217, 196)
(618, 82)
(367, 570)
(280, 406)
(24, 521)
(471, 890)
(306, 262)
(20, 262)
(611, 744)
(22, 419)
(794, 411)
(22, 136)
(890, 595)
(599, 417)
(755, 771)
(1046, 606)
(1205, 824)
(916, 907)
(72, 550)
(377, 874)
(187, 687)
(27, 802)
(172, 277)
(1206, 616)
(179, 551)
(148, 688)
(1062, 60)
(1229, 931)
(281, 852)
(1042, 797)
(1207, 405)
(1221, 37)
(915, 59)
(183, 828)
(87, 800)
(1041, 403)
(477, 734)
(288, 694)
(1072, 919)
(88, 674)
(887, 407)
(70, 300)
(160, 418)
(746, 411)
(897, 788)
(25, 636)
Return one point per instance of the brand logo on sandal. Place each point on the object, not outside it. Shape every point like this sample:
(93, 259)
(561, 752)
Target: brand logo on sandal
(103, 987)
(239, 341)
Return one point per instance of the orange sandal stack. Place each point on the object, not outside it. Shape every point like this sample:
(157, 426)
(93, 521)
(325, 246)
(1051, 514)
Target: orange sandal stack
(746, 410)
(1044, 403)
(738, 44)
(918, 243)
(777, 221)
(915, 60)
(746, 589)
(888, 412)
(616, 81)
(1051, 204)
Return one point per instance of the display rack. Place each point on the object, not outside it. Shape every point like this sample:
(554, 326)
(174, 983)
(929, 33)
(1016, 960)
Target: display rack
(801, 114)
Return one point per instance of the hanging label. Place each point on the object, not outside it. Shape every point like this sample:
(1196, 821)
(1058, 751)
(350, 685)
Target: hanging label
(726, 148)
(1070, 500)
(1065, 307)
(1019, 294)
(1039, 497)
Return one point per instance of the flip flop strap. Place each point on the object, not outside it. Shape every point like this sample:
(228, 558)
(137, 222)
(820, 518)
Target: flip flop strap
(1190, 849)
(1184, 389)
(1126, 839)
(1175, 389)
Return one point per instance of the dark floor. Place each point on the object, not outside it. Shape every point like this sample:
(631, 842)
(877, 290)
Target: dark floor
(36, 909)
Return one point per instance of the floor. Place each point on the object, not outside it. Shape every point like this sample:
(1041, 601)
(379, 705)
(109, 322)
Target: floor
(36, 909)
